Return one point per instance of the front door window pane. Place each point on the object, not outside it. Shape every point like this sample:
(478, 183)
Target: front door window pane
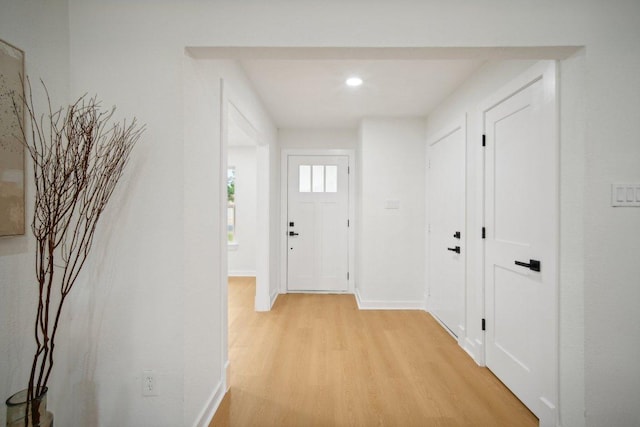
(331, 179)
(305, 179)
(318, 178)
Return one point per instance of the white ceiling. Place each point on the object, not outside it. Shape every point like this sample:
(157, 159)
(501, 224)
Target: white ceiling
(312, 93)
(303, 87)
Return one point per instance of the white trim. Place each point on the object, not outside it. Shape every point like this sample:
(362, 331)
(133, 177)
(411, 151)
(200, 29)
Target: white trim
(213, 402)
(351, 154)
(473, 349)
(242, 273)
(224, 257)
(211, 406)
(263, 230)
(445, 131)
(387, 305)
(441, 323)
(274, 297)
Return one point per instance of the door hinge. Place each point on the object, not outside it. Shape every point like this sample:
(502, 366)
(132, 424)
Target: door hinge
(347, 275)
(347, 223)
(348, 170)
(483, 325)
(484, 140)
(484, 233)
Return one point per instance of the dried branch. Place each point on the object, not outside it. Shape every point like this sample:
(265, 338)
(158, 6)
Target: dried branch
(78, 158)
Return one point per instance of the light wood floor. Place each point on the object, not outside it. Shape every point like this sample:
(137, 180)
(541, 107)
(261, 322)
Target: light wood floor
(316, 360)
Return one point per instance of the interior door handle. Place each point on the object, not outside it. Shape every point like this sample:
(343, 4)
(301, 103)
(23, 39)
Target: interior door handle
(533, 265)
(456, 249)
(293, 233)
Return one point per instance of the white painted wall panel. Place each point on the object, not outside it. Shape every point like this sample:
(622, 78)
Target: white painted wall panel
(202, 257)
(390, 242)
(346, 139)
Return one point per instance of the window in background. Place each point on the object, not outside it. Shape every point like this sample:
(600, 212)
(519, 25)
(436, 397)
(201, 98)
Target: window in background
(231, 204)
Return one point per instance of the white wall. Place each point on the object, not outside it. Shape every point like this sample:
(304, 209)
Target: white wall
(132, 54)
(390, 242)
(611, 235)
(41, 30)
(205, 355)
(242, 259)
(467, 100)
(345, 139)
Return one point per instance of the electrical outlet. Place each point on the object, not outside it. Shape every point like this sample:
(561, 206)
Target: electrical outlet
(149, 383)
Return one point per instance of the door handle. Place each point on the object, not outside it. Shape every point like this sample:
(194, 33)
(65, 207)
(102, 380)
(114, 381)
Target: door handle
(293, 233)
(456, 249)
(457, 235)
(533, 265)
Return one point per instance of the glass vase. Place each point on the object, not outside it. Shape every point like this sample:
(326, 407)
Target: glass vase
(17, 405)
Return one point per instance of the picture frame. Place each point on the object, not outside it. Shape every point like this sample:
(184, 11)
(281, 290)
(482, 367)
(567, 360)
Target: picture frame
(12, 150)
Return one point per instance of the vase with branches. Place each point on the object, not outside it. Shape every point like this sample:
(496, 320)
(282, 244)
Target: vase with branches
(78, 154)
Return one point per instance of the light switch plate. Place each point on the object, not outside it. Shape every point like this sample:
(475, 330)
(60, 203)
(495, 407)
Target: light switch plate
(625, 195)
(392, 204)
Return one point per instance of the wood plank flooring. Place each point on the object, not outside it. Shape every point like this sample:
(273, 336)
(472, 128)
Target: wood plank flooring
(316, 360)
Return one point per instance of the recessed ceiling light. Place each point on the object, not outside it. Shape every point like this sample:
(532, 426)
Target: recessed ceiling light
(354, 81)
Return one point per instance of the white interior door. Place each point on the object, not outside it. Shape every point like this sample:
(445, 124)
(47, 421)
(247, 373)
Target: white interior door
(317, 227)
(521, 209)
(447, 228)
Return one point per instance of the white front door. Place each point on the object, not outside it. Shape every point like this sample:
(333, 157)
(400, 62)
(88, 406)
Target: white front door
(317, 227)
(447, 247)
(521, 218)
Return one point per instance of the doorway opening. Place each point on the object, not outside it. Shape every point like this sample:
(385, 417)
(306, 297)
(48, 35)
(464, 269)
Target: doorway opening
(247, 200)
(473, 314)
(242, 142)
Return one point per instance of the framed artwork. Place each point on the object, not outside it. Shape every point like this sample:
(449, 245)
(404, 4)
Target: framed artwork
(12, 152)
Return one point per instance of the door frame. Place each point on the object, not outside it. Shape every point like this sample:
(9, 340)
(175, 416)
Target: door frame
(284, 204)
(262, 300)
(548, 71)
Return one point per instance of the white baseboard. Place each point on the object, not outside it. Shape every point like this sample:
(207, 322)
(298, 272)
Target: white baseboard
(207, 413)
(470, 347)
(548, 413)
(239, 273)
(387, 305)
(449, 331)
(274, 297)
(479, 345)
